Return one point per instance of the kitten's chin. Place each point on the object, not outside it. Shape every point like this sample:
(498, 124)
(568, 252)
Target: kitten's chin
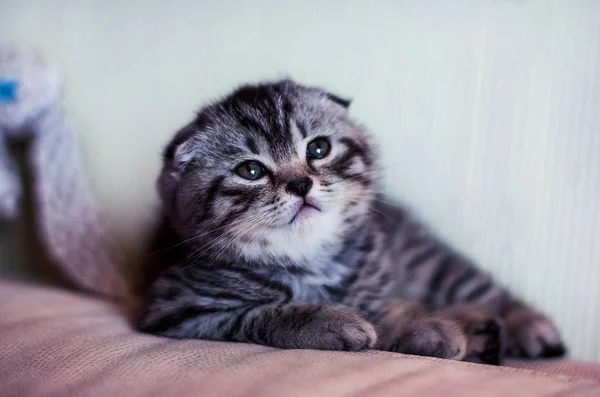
(299, 241)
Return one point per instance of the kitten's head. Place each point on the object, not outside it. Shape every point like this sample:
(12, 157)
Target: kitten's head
(272, 173)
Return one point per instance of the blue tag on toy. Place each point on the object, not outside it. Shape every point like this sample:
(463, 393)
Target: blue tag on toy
(8, 91)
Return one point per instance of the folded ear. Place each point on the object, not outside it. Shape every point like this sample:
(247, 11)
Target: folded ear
(177, 156)
(178, 152)
(345, 103)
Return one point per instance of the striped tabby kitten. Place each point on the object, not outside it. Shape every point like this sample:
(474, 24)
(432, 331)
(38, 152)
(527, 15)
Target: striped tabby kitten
(274, 233)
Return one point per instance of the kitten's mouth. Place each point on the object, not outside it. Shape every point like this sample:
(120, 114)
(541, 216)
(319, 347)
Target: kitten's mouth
(306, 208)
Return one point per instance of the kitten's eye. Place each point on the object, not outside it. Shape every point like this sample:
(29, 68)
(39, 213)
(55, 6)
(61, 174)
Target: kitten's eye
(318, 149)
(252, 170)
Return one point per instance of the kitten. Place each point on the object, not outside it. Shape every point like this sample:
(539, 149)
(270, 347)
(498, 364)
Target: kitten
(274, 233)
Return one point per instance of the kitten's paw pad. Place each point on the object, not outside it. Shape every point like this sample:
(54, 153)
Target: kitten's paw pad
(434, 338)
(531, 334)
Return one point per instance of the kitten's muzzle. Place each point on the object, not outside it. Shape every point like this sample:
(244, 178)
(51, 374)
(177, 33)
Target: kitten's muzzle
(304, 206)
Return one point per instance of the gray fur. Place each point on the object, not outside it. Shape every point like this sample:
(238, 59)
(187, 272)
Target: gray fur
(234, 261)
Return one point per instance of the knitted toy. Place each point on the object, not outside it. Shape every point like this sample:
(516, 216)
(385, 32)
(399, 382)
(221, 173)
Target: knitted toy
(67, 220)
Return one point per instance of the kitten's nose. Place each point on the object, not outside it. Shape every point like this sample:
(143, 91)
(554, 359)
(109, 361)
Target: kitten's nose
(299, 187)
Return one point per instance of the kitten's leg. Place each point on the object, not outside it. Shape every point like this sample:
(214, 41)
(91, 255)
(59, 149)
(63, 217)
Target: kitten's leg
(406, 327)
(486, 335)
(446, 278)
(529, 332)
(436, 275)
(433, 274)
(461, 332)
(288, 326)
(234, 304)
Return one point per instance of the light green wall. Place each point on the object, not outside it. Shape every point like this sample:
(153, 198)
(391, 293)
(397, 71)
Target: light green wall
(491, 107)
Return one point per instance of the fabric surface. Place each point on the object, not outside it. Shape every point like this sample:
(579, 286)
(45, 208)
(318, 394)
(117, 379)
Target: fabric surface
(576, 369)
(56, 343)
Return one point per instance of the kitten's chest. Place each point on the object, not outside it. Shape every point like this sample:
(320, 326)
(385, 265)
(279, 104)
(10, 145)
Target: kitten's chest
(322, 286)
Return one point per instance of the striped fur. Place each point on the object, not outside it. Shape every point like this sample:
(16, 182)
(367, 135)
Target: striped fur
(309, 255)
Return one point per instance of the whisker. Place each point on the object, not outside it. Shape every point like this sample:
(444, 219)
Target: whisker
(216, 221)
(375, 170)
(249, 226)
(386, 215)
(197, 252)
(193, 238)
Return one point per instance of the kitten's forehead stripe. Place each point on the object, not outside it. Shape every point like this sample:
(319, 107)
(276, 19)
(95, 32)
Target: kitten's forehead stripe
(287, 118)
(250, 123)
(267, 111)
(251, 144)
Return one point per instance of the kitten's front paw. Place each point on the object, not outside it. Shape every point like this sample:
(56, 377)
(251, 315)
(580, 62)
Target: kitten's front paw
(531, 334)
(324, 328)
(433, 337)
(346, 331)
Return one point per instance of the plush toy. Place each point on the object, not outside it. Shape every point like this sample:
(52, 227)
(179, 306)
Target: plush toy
(67, 220)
